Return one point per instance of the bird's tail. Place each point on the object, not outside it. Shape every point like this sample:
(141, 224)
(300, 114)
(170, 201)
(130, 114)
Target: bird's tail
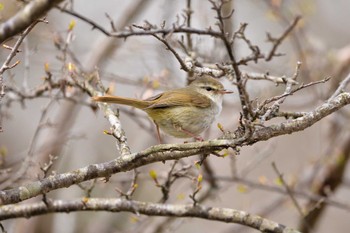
(141, 104)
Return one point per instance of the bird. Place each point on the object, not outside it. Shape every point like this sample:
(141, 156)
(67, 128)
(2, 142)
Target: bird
(183, 112)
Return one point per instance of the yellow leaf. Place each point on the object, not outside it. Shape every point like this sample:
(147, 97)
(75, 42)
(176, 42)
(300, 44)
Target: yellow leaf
(106, 132)
(71, 25)
(47, 67)
(134, 219)
(225, 153)
(341, 159)
(1, 6)
(221, 127)
(3, 151)
(197, 164)
(155, 84)
(71, 67)
(153, 174)
(85, 199)
(242, 188)
(180, 196)
(200, 178)
(278, 181)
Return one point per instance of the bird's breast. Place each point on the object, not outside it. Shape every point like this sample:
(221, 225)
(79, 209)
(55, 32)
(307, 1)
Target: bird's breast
(184, 121)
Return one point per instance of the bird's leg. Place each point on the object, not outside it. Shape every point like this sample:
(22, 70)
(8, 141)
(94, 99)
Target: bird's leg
(199, 138)
(158, 136)
(158, 133)
(196, 137)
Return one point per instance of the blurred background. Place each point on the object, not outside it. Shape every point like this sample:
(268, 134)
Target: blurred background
(141, 67)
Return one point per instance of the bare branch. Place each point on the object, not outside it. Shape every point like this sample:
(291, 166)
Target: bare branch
(25, 17)
(274, 108)
(14, 50)
(177, 56)
(188, 12)
(341, 87)
(112, 116)
(243, 95)
(266, 76)
(289, 190)
(278, 189)
(151, 209)
(30, 154)
(85, 19)
(277, 41)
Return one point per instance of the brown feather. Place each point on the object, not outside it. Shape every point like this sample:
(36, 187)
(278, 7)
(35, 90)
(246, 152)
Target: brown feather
(141, 104)
(179, 97)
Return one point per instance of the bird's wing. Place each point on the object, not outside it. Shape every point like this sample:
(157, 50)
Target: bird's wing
(179, 97)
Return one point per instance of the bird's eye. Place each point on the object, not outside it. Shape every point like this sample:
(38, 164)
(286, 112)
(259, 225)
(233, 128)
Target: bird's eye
(208, 88)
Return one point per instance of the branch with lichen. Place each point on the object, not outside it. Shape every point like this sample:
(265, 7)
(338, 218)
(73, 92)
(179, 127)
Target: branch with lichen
(151, 209)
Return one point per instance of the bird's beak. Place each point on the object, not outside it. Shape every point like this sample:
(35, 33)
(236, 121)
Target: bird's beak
(224, 91)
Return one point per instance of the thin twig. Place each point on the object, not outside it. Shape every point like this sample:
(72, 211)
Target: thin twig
(189, 12)
(289, 190)
(277, 41)
(243, 95)
(280, 190)
(341, 87)
(30, 154)
(6, 65)
(271, 112)
(177, 56)
(85, 19)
